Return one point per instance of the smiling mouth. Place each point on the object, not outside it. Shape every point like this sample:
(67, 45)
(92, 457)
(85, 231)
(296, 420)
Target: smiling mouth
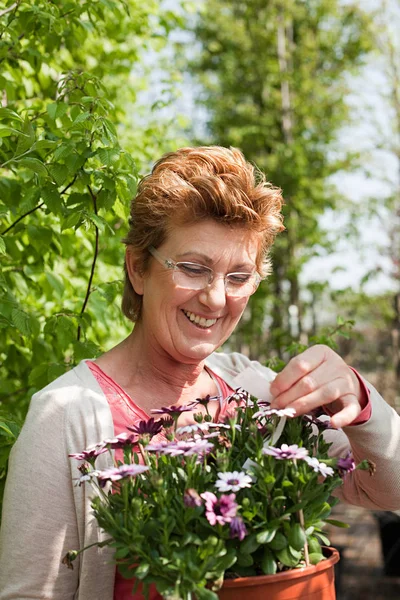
(199, 321)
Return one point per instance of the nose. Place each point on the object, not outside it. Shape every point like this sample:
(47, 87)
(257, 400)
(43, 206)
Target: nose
(214, 296)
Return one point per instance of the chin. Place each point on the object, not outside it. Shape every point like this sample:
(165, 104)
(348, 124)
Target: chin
(196, 353)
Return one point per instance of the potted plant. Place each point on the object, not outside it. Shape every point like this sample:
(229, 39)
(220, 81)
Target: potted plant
(214, 506)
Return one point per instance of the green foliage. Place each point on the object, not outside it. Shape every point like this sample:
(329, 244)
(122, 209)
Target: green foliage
(9, 431)
(66, 86)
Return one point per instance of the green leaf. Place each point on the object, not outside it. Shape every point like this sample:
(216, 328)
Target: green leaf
(5, 429)
(84, 350)
(52, 199)
(108, 156)
(244, 559)
(225, 562)
(337, 523)
(250, 544)
(323, 538)
(7, 113)
(52, 110)
(296, 536)
(2, 245)
(100, 223)
(142, 570)
(21, 320)
(121, 553)
(288, 557)
(82, 118)
(314, 547)
(268, 563)
(72, 219)
(33, 164)
(205, 594)
(37, 373)
(55, 283)
(6, 131)
(59, 173)
(264, 537)
(315, 558)
(26, 139)
(279, 542)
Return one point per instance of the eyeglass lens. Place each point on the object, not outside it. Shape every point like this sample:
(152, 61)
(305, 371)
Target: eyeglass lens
(197, 277)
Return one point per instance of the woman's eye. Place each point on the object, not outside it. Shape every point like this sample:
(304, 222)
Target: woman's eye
(193, 270)
(239, 278)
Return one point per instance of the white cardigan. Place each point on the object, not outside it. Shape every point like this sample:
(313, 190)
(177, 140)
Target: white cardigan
(45, 514)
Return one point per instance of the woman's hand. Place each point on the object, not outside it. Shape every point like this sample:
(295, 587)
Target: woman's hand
(319, 377)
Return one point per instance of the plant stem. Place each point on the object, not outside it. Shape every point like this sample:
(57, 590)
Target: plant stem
(306, 555)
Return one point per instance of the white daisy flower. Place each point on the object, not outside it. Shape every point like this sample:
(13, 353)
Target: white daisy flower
(232, 482)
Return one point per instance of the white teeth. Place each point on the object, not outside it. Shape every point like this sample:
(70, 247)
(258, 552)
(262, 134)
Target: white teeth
(199, 320)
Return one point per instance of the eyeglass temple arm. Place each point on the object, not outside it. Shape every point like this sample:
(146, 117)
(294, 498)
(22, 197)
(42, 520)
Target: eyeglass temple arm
(166, 262)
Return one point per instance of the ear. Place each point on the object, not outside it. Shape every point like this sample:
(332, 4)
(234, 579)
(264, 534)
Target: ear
(134, 273)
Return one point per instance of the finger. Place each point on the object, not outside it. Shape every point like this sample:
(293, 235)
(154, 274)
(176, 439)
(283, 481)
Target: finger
(348, 414)
(307, 385)
(298, 367)
(336, 391)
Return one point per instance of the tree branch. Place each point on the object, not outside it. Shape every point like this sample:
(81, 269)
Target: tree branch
(36, 208)
(22, 217)
(9, 9)
(96, 251)
(69, 185)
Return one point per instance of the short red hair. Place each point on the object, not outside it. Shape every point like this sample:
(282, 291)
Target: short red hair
(196, 184)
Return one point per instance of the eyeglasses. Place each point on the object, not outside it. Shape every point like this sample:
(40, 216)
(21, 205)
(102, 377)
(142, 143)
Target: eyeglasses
(192, 276)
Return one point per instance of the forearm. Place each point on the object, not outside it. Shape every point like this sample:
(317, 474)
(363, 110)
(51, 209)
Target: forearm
(377, 440)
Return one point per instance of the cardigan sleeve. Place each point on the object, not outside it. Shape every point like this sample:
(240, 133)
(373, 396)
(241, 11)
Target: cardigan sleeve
(377, 440)
(39, 523)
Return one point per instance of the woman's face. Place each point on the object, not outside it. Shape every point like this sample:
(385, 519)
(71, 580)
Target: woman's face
(167, 310)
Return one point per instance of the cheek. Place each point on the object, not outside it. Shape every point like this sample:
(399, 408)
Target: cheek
(237, 306)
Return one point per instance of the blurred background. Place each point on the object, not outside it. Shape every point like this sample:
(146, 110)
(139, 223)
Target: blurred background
(93, 92)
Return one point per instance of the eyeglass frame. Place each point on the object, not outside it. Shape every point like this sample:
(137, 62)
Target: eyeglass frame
(170, 264)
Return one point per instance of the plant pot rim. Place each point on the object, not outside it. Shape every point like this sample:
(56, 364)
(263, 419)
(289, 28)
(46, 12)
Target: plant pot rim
(332, 558)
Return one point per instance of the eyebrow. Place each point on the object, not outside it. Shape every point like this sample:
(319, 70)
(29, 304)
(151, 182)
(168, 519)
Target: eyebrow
(209, 261)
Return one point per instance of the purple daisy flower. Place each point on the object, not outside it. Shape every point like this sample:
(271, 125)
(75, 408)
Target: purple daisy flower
(192, 428)
(237, 528)
(240, 396)
(319, 467)
(167, 422)
(346, 465)
(220, 510)
(204, 401)
(117, 473)
(149, 427)
(232, 482)
(120, 441)
(185, 448)
(323, 422)
(270, 412)
(174, 410)
(87, 477)
(285, 452)
(192, 498)
(90, 454)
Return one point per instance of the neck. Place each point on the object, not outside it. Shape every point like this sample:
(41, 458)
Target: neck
(140, 367)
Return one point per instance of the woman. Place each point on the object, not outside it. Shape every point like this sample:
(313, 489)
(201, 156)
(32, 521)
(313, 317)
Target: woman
(200, 229)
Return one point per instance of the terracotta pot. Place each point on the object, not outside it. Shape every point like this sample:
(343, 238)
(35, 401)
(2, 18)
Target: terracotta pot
(316, 582)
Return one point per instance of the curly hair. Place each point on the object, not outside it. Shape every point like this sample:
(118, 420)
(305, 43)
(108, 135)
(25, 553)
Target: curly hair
(195, 184)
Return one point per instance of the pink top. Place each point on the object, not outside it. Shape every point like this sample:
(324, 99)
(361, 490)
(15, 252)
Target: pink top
(125, 412)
